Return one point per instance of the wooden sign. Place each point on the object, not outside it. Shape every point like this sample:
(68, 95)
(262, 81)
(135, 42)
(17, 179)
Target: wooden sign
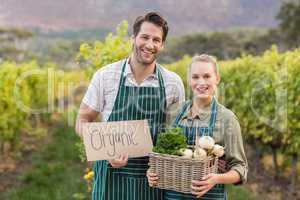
(108, 140)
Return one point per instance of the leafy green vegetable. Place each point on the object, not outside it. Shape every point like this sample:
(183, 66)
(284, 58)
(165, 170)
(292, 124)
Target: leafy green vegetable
(171, 142)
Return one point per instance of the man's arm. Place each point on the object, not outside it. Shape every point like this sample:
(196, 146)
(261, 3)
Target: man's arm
(92, 102)
(178, 99)
(85, 114)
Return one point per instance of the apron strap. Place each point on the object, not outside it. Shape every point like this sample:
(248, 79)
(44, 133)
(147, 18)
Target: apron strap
(122, 78)
(181, 113)
(161, 84)
(162, 95)
(213, 116)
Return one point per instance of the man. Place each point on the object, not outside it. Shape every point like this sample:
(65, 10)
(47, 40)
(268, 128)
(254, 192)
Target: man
(132, 89)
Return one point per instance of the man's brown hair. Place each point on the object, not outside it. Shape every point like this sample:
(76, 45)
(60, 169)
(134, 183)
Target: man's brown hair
(154, 18)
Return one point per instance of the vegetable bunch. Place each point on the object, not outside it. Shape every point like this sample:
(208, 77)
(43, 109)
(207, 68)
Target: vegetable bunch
(205, 147)
(171, 142)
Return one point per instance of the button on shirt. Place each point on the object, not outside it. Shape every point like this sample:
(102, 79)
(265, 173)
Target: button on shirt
(103, 89)
(227, 132)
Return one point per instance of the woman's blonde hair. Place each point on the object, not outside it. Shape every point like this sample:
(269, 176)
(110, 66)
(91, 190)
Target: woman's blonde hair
(205, 58)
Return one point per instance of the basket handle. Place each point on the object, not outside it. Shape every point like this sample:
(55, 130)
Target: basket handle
(197, 145)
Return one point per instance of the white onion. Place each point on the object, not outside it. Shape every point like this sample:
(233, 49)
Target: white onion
(218, 150)
(206, 142)
(200, 154)
(187, 153)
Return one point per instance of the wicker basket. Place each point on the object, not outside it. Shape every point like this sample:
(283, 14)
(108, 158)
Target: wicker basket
(176, 173)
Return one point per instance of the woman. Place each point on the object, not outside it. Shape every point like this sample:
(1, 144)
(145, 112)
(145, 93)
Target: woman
(205, 116)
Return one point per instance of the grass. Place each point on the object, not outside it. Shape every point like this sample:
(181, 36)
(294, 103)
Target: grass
(56, 174)
(240, 193)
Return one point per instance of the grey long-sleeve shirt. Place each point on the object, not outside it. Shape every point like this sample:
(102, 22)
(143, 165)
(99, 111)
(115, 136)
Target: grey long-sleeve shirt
(227, 133)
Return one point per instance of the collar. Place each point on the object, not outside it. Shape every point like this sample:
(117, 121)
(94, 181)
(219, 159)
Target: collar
(128, 71)
(201, 114)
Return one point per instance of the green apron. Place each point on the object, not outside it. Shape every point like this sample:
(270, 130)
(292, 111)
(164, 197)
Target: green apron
(130, 182)
(217, 192)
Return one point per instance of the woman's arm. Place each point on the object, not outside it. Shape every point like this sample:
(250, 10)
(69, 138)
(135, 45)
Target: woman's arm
(235, 159)
(235, 155)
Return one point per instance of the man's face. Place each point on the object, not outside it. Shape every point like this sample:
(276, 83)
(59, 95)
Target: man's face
(147, 43)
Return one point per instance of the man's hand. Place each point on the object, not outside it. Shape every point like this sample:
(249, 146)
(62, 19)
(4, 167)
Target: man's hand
(120, 162)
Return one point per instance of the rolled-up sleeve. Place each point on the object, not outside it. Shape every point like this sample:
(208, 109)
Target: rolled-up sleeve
(94, 96)
(177, 95)
(234, 148)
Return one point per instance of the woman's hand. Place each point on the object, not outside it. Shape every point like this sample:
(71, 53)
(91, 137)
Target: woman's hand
(199, 188)
(152, 178)
(120, 162)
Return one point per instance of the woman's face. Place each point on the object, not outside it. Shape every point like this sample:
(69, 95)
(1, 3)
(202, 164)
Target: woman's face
(203, 80)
